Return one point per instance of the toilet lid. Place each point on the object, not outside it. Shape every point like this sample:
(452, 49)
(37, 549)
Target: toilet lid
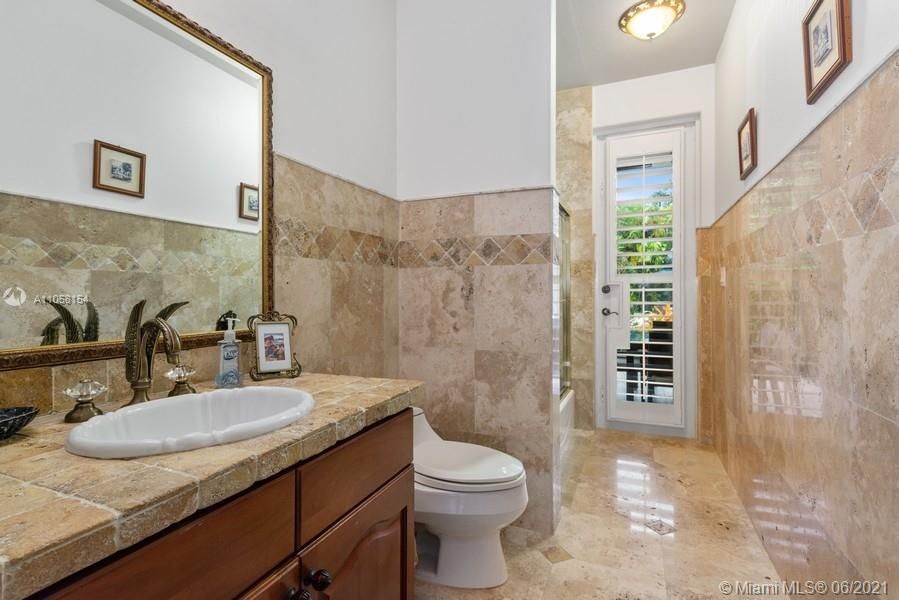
(465, 463)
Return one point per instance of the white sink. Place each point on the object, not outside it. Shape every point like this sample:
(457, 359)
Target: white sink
(188, 422)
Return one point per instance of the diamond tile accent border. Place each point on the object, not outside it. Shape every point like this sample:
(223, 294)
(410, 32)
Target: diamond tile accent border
(527, 249)
(28, 253)
(43, 234)
(860, 206)
(296, 238)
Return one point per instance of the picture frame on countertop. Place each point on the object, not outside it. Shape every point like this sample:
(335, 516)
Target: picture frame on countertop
(274, 356)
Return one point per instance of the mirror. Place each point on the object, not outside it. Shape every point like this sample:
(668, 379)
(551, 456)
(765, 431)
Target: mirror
(135, 163)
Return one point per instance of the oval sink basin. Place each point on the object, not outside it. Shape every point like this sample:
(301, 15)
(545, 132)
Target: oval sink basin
(188, 422)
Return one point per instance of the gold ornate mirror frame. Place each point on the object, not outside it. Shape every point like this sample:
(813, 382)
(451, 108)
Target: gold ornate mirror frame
(19, 358)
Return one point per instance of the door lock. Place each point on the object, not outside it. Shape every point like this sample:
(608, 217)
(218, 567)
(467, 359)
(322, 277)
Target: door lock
(606, 312)
(606, 288)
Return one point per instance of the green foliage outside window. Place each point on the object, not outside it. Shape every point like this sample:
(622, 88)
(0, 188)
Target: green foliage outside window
(640, 241)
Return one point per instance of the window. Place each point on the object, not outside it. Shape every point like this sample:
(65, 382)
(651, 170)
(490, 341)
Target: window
(644, 233)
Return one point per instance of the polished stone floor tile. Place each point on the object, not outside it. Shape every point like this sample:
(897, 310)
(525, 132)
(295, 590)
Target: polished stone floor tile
(642, 518)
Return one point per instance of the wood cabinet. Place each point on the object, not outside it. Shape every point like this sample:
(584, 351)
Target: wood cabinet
(367, 554)
(332, 484)
(338, 527)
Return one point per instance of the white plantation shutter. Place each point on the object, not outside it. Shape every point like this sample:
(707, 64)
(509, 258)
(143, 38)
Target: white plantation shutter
(644, 259)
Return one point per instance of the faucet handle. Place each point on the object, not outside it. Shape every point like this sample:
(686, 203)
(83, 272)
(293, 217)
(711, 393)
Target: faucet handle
(85, 390)
(83, 393)
(181, 375)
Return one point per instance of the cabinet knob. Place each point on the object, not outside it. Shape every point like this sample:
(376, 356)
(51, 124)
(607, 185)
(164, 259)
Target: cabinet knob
(295, 594)
(319, 580)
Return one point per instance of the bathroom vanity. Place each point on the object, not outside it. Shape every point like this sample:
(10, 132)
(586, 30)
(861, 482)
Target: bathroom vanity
(342, 521)
(337, 522)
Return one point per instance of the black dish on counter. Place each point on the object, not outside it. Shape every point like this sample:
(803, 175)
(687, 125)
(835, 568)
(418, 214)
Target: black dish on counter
(14, 419)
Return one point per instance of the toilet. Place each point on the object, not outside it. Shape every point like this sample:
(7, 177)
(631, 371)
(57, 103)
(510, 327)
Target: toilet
(464, 495)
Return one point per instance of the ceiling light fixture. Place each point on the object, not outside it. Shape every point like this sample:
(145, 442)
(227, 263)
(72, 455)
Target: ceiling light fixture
(649, 19)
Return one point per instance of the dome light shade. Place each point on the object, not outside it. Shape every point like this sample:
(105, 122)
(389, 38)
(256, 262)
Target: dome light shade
(649, 19)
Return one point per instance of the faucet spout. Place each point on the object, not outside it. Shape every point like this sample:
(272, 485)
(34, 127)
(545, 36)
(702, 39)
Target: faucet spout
(150, 332)
(171, 340)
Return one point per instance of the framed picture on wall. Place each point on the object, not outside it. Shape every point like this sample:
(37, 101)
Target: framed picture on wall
(249, 202)
(827, 44)
(746, 141)
(118, 169)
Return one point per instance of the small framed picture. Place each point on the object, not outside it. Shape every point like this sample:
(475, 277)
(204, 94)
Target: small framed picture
(249, 202)
(746, 140)
(118, 169)
(273, 347)
(274, 355)
(827, 44)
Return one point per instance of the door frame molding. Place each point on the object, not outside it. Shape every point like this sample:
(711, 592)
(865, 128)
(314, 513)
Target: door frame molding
(689, 124)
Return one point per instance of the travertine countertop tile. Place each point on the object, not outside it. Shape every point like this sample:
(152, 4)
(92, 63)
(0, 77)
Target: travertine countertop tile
(80, 476)
(16, 498)
(21, 446)
(60, 513)
(139, 490)
(220, 471)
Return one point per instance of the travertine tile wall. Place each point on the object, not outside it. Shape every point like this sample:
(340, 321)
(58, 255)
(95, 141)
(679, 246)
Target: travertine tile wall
(476, 324)
(335, 269)
(799, 350)
(116, 260)
(574, 179)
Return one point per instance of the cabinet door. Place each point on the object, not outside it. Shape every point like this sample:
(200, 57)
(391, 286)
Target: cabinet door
(283, 584)
(369, 553)
(332, 484)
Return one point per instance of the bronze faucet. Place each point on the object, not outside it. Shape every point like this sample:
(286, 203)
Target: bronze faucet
(140, 347)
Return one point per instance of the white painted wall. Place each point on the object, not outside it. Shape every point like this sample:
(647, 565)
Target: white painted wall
(412, 98)
(77, 71)
(334, 64)
(475, 93)
(760, 64)
(643, 101)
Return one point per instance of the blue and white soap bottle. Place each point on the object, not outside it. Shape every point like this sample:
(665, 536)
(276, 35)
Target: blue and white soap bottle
(229, 359)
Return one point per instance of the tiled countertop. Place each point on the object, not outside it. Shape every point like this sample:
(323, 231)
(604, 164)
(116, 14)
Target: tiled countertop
(60, 513)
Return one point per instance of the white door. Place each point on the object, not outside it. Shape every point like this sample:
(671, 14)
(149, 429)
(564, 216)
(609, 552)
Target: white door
(640, 294)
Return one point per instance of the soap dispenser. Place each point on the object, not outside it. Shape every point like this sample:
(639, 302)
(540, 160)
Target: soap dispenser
(229, 358)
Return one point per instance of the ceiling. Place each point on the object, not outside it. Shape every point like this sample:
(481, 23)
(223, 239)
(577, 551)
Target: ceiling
(591, 50)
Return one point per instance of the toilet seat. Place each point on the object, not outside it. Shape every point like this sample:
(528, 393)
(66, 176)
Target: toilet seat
(466, 464)
(473, 488)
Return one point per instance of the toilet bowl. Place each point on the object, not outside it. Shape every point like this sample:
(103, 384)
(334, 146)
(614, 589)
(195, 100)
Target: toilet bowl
(464, 495)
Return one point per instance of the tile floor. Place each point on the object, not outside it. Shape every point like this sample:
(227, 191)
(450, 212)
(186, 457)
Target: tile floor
(642, 518)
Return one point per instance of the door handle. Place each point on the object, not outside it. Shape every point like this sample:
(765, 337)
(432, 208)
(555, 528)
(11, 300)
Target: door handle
(606, 312)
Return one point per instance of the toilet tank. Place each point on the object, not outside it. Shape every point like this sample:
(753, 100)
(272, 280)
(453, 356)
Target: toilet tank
(421, 429)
